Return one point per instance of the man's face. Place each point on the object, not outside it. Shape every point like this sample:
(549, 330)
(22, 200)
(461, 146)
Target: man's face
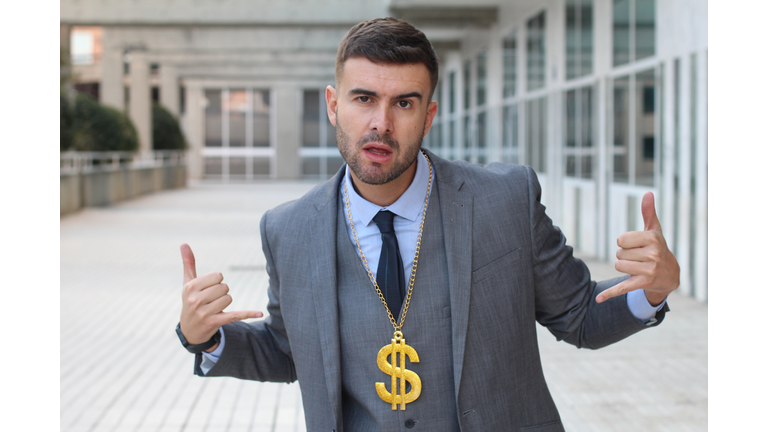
(381, 113)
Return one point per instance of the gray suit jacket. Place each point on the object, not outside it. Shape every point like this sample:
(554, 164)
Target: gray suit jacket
(509, 267)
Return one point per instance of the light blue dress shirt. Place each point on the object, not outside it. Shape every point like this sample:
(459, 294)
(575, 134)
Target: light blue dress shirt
(408, 210)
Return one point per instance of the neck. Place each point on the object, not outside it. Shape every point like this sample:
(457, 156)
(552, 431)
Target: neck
(385, 194)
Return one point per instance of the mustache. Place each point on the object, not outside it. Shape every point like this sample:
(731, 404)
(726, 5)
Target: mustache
(374, 136)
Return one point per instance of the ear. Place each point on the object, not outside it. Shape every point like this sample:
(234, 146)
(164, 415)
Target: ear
(431, 113)
(331, 103)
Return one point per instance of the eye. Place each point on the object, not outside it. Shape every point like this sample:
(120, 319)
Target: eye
(404, 104)
(363, 99)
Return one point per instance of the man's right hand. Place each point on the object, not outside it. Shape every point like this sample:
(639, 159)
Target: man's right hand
(203, 301)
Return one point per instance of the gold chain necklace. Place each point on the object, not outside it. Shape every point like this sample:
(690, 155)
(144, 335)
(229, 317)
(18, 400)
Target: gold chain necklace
(397, 344)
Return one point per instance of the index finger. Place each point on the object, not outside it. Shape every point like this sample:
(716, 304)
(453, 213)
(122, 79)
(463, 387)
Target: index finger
(621, 288)
(188, 258)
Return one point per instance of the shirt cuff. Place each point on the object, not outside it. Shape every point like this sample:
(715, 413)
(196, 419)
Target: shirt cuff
(210, 359)
(640, 307)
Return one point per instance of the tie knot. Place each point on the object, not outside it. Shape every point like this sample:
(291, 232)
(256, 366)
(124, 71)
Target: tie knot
(383, 220)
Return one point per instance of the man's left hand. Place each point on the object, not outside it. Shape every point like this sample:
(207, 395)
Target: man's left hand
(644, 255)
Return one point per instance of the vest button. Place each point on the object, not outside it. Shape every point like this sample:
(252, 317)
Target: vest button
(409, 423)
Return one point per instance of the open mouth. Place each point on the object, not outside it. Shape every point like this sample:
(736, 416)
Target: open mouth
(377, 152)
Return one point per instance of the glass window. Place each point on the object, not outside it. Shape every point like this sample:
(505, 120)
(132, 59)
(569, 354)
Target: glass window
(509, 146)
(467, 84)
(586, 36)
(536, 52)
(213, 167)
(82, 46)
(634, 30)
(237, 167)
(310, 166)
(620, 32)
(467, 148)
(481, 138)
(452, 93)
(570, 119)
(579, 132)
(571, 39)
(588, 117)
(536, 134)
(645, 126)
(578, 38)
(236, 107)
(260, 167)
(481, 84)
(260, 118)
(311, 119)
(621, 130)
(645, 28)
(333, 164)
(213, 130)
(510, 65)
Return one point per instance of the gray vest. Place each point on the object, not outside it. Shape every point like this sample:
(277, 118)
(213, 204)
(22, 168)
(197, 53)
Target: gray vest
(365, 328)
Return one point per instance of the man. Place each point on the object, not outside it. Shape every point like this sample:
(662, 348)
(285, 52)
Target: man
(453, 346)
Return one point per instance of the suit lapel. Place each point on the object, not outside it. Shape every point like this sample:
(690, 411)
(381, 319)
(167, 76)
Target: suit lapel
(456, 209)
(323, 266)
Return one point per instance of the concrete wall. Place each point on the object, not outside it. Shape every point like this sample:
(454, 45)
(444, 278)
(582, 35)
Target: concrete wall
(102, 188)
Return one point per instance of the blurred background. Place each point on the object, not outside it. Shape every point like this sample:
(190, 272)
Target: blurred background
(184, 120)
(605, 99)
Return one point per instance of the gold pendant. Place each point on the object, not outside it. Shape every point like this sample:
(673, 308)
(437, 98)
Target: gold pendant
(399, 371)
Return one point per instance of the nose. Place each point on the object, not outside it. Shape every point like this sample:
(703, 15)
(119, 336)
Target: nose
(381, 121)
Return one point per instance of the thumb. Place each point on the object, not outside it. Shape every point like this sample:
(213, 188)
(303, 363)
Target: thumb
(188, 258)
(649, 213)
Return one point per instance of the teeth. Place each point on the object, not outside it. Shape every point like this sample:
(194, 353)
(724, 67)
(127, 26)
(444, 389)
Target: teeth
(377, 152)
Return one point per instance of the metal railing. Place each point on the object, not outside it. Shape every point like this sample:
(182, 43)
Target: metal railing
(85, 162)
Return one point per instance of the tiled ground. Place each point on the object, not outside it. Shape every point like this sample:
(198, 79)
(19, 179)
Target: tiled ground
(123, 369)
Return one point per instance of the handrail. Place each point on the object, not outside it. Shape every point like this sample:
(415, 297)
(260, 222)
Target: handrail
(73, 162)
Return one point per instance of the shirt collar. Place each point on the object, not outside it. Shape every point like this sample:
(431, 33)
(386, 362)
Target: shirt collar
(408, 206)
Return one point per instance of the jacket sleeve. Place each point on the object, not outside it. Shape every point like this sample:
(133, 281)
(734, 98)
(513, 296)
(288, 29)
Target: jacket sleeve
(564, 292)
(259, 350)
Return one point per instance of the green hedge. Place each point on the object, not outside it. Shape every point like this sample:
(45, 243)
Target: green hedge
(101, 128)
(166, 133)
(65, 124)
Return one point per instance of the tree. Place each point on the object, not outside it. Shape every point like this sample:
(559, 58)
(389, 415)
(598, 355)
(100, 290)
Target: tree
(101, 128)
(65, 123)
(166, 133)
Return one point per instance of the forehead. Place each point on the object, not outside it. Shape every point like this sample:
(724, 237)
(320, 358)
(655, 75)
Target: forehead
(362, 73)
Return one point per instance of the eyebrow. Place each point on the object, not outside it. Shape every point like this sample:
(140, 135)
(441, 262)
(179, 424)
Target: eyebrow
(359, 91)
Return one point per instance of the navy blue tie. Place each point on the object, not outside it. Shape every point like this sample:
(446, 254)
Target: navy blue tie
(390, 276)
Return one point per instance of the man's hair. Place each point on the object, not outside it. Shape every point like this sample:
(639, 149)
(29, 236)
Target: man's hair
(389, 41)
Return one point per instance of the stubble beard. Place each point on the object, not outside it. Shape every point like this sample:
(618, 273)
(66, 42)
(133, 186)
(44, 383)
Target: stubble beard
(374, 174)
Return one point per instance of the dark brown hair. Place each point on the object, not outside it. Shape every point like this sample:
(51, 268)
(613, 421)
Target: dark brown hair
(388, 40)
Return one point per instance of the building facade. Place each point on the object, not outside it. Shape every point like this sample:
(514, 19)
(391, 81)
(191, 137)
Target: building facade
(605, 99)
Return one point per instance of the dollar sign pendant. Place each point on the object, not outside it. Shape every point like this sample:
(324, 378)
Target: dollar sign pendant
(398, 371)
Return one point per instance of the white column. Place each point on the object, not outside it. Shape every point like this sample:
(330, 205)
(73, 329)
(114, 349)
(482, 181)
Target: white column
(195, 120)
(666, 201)
(603, 40)
(287, 139)
(522, 84)
(494, 94)
(555, 47)
(169, 88)
(140, 108)
(111, 90)
(684, 169)
(700, 265)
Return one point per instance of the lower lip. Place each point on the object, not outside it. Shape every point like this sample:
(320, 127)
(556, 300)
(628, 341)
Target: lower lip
(378, 157)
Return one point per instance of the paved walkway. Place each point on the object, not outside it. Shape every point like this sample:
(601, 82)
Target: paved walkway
(123, 369)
